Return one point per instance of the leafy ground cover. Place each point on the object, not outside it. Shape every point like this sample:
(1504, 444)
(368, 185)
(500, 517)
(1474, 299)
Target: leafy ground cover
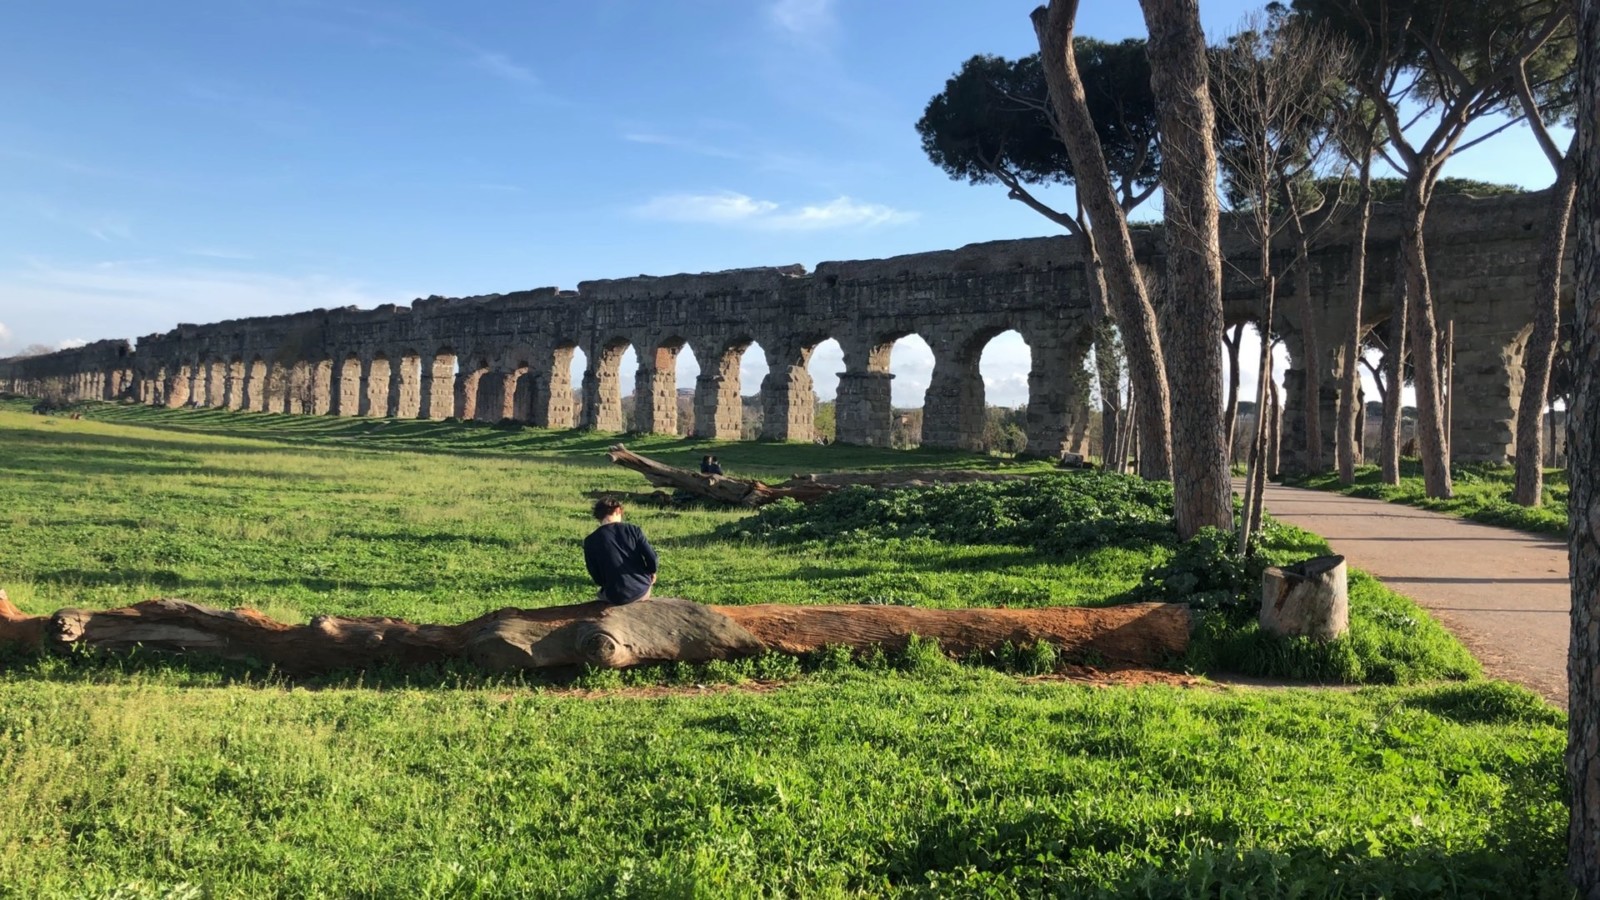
(945, 781)
(900, 775)
(1482, 494)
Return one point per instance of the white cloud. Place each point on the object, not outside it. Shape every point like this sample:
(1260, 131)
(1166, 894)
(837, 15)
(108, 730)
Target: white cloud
(504, 67)
(806, 20)
(723, 208)
(687, 145)
(5, 334)
(732, 208)
(70, 343)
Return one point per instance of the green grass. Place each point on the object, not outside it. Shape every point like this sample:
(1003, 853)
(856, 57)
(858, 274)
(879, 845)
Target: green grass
(947, 782)
(134, 502)
(1482, 494)
(907, 774)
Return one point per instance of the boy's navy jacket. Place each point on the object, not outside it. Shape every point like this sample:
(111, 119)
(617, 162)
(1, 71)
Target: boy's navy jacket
(620, 560)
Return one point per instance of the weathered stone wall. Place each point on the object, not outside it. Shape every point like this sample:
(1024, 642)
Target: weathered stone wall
(508, 355)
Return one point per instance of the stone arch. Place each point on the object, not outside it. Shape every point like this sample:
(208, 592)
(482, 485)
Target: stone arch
(233, 391)
(321, 387)
(864, 405)
(554, 405)
(825, 365)
(1007, 381)
(277, 385)
(375, 386)
(347, 399)
(953, 410)
(436, 388)
(521, 385)
(216, 382)
(788, 395)
(470, 370)
(297, 394)
(199, 382)
(255, 385)
(718, 403)
(405, 384)
(602, 390)
(655, 391)
(178, 380)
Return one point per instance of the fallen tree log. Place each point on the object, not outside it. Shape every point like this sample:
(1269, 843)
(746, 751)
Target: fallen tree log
(804, 488)
(595, 634)
(721, 488)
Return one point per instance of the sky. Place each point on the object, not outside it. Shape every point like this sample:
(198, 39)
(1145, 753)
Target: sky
(178, 161)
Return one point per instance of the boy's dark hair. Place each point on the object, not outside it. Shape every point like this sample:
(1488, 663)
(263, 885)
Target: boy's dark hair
(605, 506)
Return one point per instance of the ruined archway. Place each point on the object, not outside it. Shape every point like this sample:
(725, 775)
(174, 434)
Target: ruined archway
(655, 388)
(718, 400)
(602, 388)
(375, 387)
(469, 380)
(825, 363)
(233, 392)
(1005, 367)
(348, 396)
(436, 387)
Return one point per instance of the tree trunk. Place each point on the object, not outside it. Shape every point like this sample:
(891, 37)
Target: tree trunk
(1230, 423)
(1529, 487)
(1431, 445)
(1274, 430)
(1310, 347)
(1109, 225)
(1348, 450)
(1393, 390)
(1583, 471)
(1308, 599)
(1108, 366)
(1179, 80)
(596, 634)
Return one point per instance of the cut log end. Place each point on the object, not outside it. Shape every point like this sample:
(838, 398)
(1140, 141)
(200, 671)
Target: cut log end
(1307, 599)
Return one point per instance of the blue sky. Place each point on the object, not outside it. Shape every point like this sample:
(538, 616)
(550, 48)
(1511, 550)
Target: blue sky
(170, 162)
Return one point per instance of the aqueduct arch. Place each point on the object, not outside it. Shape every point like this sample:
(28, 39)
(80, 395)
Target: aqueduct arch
(516, 349)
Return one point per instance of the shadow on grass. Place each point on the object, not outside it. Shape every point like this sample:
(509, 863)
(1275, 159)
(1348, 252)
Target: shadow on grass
(760, 458)
(974, 852)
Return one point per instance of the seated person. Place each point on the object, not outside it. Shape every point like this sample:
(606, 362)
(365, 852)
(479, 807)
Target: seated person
(710, 466)
(619, 558)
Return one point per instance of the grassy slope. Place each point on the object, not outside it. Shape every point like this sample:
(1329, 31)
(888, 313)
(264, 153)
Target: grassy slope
(372, 517)
(1483, 494)
(948, 780)
(944, 778)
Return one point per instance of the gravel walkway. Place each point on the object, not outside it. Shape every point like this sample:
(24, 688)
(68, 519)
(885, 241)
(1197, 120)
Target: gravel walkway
(1504, 593)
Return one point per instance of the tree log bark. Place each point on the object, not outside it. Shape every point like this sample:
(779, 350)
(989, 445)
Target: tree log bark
(1308, 599)
(1179, 68)
(1395, 365)
(1583, 472)
(595, 634)
(721, 488)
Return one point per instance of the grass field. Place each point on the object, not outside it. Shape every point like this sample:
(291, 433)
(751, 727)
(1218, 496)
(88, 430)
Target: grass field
(1482, 494)
(905, 775)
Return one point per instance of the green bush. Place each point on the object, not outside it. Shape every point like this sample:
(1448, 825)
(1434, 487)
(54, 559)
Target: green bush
(1051, 513)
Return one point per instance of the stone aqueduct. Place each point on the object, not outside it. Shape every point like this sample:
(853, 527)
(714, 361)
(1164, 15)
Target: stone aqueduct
(508, 355)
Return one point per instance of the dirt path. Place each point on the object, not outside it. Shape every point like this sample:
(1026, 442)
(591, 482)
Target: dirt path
(1504, 593)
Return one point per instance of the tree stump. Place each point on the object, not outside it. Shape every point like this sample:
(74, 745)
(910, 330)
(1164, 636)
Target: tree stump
(1308, 599)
